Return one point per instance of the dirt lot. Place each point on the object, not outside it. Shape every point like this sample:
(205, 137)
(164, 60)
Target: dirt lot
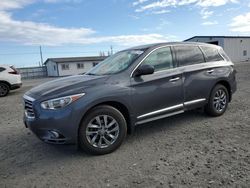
(188, 150)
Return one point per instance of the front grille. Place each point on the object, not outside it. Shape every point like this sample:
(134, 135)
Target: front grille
(28, 106)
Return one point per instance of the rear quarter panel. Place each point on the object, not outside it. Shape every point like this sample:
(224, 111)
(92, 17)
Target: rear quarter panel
(198, 83)
(10, 78)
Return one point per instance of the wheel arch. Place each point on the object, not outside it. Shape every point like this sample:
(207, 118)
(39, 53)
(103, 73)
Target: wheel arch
(227, 85)
(117, 105)
(5, 82)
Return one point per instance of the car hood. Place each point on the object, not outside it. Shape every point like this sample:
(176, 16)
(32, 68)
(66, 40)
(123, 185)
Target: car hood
(65, 86)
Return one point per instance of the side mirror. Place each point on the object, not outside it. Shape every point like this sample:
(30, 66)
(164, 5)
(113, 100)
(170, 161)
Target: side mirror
(144, 70)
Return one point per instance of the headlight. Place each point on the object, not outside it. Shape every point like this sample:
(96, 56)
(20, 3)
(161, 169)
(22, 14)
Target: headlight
(58, 103)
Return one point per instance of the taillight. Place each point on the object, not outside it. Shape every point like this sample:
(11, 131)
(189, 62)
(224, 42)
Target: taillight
(15, 71)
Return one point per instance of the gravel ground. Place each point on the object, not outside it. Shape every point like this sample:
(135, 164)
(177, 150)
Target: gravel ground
(188, 150)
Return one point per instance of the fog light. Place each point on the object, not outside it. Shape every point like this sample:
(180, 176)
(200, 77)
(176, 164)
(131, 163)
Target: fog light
(54, 134)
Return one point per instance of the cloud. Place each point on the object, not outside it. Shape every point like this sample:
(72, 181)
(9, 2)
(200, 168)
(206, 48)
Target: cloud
(214, 3)
(206, 13)
(164, 11)
(13, 4)
(33, 33)
(157, 4)
(139, 2)
(241, 23)
(209, 23)
(131, 40)
(174, 3)
(17, 4)
(62, 1)
(135, 17)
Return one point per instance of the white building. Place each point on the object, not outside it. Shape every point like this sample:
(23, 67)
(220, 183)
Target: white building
(71, 65)
(237, 48)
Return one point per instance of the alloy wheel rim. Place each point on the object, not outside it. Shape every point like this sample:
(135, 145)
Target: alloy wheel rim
(3, 90)
(102, 131)
(220, 100)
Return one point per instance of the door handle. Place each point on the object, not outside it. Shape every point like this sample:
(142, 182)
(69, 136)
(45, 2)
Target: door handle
(210, 71)
(174, 79)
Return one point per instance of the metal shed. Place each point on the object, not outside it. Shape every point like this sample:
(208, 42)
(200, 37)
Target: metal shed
(236, 47)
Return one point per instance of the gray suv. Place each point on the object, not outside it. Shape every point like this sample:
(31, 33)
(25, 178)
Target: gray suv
(134, 86)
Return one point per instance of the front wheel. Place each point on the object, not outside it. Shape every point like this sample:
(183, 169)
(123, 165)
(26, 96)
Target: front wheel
(218, 101)
(102, 130)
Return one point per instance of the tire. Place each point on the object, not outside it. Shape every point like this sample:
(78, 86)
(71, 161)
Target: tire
(218, 101)
(93, 129)
(4, 89)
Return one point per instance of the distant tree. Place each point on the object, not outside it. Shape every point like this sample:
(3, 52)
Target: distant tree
(101, 53)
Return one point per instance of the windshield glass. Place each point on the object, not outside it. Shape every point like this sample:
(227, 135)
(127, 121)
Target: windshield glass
(116, 63)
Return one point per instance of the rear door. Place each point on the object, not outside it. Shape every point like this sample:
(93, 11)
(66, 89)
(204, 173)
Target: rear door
(197, 76)
(160, 94)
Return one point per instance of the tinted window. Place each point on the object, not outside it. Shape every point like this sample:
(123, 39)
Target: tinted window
(189, 55)
(2, 69)
(160, 59)
(212, 54)
(223, 54)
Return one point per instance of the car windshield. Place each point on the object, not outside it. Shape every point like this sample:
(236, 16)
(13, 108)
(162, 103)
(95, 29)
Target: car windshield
(115, 63)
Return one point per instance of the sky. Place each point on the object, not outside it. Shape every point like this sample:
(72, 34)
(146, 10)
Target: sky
(68, 28)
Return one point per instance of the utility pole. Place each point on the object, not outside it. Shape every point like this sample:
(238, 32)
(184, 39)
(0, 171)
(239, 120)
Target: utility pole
(41, 55)
(111, 50)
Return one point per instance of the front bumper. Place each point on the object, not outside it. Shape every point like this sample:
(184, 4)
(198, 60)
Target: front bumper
(54, 131)
(53, 126)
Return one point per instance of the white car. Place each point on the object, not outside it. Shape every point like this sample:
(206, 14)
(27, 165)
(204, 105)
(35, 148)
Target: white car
(10, 79)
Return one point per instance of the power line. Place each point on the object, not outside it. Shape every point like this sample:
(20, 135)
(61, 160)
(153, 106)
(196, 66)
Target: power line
(57, 52)
(29, 53)
(44, 52)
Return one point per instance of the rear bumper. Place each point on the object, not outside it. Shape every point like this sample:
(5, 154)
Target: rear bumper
(15, 86)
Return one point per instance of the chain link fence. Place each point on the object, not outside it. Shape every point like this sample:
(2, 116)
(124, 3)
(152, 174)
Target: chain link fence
(33, 72)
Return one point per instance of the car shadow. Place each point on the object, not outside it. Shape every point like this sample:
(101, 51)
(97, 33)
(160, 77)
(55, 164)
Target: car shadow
(143, 130)
(170, 122)
(26, 151)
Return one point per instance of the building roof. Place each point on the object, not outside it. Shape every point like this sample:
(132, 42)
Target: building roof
(217, 37)
(75, 59)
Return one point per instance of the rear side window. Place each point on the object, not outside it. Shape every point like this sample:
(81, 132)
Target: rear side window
(223, 54)
(189, 55)
(2, 69)
(212, 54)
(14, 69)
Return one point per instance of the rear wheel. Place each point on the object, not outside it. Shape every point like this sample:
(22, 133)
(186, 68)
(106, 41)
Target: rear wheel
(102, 130)
(4, 89)
(218, 101)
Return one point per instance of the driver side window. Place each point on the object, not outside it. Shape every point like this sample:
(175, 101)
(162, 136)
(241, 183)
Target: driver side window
(160, 59)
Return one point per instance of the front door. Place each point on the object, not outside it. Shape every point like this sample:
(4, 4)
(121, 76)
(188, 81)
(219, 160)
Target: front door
(159, 94)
